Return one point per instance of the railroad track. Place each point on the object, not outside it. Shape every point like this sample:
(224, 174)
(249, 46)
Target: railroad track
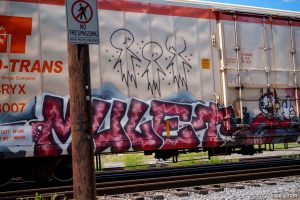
(132, 182)
(149, 184)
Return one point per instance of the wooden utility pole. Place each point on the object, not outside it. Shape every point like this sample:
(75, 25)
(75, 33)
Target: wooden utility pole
(81, 127)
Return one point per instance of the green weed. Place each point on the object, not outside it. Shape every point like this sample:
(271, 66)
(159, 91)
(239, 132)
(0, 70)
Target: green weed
(134, 161)
(40, 197)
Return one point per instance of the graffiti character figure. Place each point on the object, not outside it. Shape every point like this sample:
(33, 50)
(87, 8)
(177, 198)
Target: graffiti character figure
(180, 79)
(152, 51)
(82, 11)
(122, 39)
(269, 104)
(270, 119)
(288, 111)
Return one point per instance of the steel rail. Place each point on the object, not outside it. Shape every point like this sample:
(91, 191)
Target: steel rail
(165, 181)
(119, 187)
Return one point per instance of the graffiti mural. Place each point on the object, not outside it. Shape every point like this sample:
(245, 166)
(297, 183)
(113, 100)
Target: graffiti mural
(177, 51)
(122, 40)
(277, 116)
(152, 52)
(130, 124)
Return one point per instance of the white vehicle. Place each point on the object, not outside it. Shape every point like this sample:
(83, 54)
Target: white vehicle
(168, 76)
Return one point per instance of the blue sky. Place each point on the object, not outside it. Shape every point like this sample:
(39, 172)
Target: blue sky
(291, 5)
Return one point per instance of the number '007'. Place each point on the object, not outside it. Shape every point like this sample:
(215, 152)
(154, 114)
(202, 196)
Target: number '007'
(12, 107)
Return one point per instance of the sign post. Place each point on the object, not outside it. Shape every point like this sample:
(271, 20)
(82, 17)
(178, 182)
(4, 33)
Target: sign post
(82, 21)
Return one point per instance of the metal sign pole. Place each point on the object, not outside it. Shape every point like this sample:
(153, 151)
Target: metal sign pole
(81, 127)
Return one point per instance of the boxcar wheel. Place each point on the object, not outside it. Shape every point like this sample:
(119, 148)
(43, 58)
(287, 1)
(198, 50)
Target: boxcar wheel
(63, 170)
(6, 174)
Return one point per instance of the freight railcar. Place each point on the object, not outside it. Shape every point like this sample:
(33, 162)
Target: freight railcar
(168, 76)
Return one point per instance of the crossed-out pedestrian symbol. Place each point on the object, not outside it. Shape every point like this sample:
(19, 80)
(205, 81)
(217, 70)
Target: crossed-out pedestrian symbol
(82, 11)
